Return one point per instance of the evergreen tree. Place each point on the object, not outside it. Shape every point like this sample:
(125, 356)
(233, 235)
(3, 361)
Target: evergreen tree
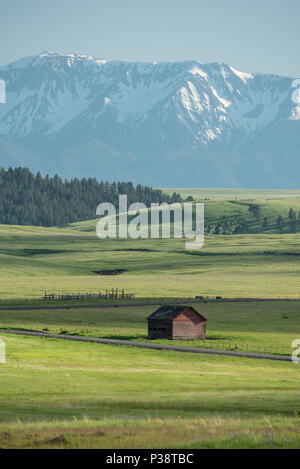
(28, 199)
(279, 222)
(292, 220)
(255, 210)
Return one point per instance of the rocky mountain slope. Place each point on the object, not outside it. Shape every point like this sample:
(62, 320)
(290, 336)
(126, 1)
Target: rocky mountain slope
(164, 124)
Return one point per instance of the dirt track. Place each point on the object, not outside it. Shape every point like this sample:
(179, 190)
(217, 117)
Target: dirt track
(176, 348)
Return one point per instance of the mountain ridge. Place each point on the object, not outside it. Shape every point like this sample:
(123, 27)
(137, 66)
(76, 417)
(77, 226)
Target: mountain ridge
(160, 123)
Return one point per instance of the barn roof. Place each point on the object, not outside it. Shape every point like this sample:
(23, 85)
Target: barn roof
(171, 312)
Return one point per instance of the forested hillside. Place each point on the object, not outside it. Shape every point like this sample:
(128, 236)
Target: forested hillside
(30, 199)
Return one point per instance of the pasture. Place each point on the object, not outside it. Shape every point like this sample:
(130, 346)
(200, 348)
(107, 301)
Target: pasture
(231, 194)
(35, 259)
(262, 327)
(59, 394)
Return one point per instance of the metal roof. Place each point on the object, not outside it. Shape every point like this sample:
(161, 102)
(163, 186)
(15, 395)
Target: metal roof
(171, 312)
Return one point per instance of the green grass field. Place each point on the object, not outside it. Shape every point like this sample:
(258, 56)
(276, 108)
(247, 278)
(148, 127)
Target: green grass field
(61, 394)
(262, 327)
(223, 206)
(57, 393)
(34, 259)
(230, 194)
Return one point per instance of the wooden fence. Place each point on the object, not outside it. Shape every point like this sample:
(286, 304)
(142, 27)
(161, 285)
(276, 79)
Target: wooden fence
(112, 294)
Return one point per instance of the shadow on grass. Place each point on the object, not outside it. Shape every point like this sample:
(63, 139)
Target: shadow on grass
(123, 337)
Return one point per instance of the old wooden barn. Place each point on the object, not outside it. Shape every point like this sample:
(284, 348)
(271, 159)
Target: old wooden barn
(176, 322)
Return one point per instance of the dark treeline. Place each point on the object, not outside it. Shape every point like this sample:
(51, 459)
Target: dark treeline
(28, 199)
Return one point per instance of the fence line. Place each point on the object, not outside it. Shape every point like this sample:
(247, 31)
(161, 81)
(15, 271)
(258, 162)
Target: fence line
(112, 293)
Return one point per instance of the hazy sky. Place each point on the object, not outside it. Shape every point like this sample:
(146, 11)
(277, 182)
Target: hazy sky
(252, 35)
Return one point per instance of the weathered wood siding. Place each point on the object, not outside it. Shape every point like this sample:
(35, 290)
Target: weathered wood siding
(188, 325)
(159, 329)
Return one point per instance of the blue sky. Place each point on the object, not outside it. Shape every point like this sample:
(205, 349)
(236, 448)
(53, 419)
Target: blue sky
(252, 35)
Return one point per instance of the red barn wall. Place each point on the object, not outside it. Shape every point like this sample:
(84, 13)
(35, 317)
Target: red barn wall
(189, 325)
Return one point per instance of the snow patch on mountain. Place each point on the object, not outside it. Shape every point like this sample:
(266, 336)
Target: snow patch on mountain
(212, 100)
(135, 110)
(197, 71)
(242, 75)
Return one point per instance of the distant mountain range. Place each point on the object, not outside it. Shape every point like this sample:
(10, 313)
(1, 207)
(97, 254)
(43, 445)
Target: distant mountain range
(163, 124)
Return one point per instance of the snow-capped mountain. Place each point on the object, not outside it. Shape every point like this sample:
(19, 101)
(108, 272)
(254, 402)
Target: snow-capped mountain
(174, 124)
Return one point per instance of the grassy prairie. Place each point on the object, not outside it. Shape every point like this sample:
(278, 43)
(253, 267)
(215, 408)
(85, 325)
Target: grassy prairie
(61, 394)
(265, 327)
(34, 259)
(220, 211)
(223, 206)
(231, 194)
